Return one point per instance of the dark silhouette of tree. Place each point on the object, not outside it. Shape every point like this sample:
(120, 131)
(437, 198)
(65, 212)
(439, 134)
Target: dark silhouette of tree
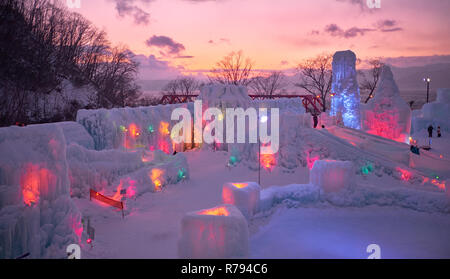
(268, 85)
(316, 77)
(369, 84)
(232, 69)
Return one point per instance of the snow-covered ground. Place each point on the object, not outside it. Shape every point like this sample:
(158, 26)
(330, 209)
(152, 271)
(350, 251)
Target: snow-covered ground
(152, 229)
(343, 233)
(288, 230)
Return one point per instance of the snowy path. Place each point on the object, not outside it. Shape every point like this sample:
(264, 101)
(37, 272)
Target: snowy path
(151, 231)
(346, 233)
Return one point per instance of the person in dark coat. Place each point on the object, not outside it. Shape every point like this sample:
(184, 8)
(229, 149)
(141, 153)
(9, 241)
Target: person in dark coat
(316, 120)
(430, 131)
(439, 131)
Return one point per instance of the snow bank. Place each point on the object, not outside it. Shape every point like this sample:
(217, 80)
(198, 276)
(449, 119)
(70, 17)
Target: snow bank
(220, 232)
(345, 102)
(387, 114)
(37, 215)
(224, 96)
(332, 176)
(359, 196)
(302, 193)
(436, 113)
(245, 196)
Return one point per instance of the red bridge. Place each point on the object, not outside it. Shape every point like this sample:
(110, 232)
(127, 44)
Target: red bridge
(311, 103)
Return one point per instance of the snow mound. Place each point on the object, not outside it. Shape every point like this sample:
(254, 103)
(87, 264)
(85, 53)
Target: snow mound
(220, 232)
(245, 196)
(387, 114)
(436, 113)
(37, 215)
(332, 176)
(224, 96)
(302, 195)
(443, 95)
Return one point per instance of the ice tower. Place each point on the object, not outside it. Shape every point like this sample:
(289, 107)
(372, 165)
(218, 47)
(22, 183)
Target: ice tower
(345, 88)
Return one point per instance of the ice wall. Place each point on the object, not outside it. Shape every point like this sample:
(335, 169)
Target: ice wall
(345, 86)
(76, 133)
(436, 113)
(131, 128)
(387, 114)
(37, 215)
(105, 170)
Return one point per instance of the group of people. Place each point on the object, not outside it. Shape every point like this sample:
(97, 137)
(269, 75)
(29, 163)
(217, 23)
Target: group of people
(430, 131)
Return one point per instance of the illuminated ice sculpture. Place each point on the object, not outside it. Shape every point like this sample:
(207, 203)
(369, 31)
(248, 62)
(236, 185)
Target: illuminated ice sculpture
(387, 114)
(217, 233)
(346, 98)
(245, 196)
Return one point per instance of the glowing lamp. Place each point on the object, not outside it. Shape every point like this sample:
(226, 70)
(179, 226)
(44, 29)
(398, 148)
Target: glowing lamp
(263, 119)
(219, 232)
(245, 196)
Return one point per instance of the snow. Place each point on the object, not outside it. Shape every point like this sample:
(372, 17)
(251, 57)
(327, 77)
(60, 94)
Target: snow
(436, 113)
(224, 96)
(345, 102)
(37, 215)
(332, 176)
(220, 232)
(387, 114)
(345, 233)
(245, 196)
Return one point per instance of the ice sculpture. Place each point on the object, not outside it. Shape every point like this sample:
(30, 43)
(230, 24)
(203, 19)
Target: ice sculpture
(37, 215)
(387, 114)
(332, 176)
(345, 88)
(220, 232)
(245, 196)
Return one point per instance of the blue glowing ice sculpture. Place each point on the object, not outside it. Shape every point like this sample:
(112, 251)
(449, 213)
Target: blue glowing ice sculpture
(346, 98)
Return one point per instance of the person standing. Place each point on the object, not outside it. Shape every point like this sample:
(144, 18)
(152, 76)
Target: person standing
(430, 131)
(439, 132)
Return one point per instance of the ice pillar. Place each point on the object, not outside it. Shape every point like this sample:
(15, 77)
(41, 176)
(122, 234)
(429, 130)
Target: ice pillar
(345, 87)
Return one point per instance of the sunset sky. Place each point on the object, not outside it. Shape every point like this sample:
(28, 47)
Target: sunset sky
(174, 36)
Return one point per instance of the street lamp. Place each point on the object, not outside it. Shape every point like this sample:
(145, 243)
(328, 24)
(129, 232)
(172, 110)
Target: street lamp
(428, 80)
(263, 119)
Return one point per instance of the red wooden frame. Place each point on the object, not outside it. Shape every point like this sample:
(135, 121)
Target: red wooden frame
(307, 100)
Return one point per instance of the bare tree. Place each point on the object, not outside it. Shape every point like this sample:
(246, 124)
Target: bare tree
(268, 85)
(316, 76)
(370, 84)
(232, 69)
(182, 86)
